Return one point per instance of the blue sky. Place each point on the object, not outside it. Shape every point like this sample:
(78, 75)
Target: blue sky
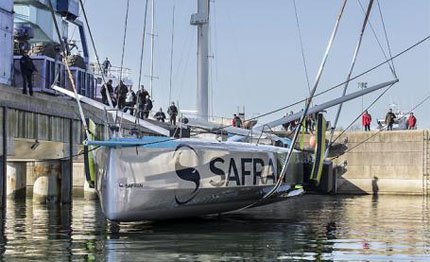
(256, 52)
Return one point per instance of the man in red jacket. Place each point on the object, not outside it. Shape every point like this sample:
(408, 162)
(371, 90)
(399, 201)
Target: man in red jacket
(412, 121)
(366, 120)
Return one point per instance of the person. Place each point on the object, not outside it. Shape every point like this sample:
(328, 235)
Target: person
(173, 112)
(389, 119)
(160, 116)
(130, 100)
(106, 66)
(109, 88)
(147, 108)
(27, 70)
(366, 120)
(412, 121)
(286, 125)
(236, 122)
(121, 92)
(309, 124)
(141, 99)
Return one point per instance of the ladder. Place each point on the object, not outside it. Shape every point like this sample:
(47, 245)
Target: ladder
(426, 163)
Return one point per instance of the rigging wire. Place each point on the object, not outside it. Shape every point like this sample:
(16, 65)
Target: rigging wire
(95, 50)
(171, 53)
(379, 42)
(151, 71)
(308, 103)
(74, 28)
(69, 73)
(142, 52)
(342, 83)
(384, 128)
(358, 117)
(124, 39)
(302, 47)
(351, 69)
(143, 43)
(386, 37)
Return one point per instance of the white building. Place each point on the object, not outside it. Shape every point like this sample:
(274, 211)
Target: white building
(6, 41)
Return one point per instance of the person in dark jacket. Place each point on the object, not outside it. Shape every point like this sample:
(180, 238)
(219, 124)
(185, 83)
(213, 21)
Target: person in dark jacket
(121, 92)
(106, 66)
(108, 87)
(27, 70)
(412, 121)
(389, 119)
(173, 113)
(366, 120)
(160, 116)
(147, 108)
(141, 99)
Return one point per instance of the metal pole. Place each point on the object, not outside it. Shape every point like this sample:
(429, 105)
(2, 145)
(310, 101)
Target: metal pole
(3, 164)
(201, 20)
(67, 171)
(151, 74)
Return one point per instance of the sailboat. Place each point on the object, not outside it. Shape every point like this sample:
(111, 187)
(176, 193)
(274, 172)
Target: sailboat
(161, 176)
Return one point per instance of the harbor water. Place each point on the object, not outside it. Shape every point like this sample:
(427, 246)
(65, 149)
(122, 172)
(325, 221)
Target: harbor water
(308, 228)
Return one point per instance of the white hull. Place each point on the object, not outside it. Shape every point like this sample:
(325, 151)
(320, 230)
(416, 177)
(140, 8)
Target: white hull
(189, 177)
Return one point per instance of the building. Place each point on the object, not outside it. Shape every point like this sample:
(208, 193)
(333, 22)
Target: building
(6, 41)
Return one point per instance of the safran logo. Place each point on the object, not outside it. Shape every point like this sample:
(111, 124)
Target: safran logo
(186, 173)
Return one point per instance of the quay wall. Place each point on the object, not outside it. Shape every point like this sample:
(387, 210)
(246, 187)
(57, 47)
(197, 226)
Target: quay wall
(395, 162)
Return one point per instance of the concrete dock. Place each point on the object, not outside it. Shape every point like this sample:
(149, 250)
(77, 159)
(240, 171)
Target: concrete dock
(389, 162)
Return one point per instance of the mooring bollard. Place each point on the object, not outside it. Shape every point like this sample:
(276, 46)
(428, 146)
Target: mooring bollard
(47, 181)
(16, 179)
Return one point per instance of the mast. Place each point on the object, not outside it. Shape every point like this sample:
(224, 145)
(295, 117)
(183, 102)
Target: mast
(151, 73)
(201, 20)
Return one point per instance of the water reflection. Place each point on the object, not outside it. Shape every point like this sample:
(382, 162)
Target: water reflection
(318, 228)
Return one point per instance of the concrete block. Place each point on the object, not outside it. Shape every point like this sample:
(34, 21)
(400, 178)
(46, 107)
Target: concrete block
(78, 174)
(16, 179)
(47, 183)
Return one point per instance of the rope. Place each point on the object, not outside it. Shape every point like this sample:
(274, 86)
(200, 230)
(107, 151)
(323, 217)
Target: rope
(302, 46)
(67, 157)
(124, 39)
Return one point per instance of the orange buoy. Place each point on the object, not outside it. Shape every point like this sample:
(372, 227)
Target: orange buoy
(313, 141)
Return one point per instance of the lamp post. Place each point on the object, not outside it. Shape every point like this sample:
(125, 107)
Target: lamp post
(362, 86)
